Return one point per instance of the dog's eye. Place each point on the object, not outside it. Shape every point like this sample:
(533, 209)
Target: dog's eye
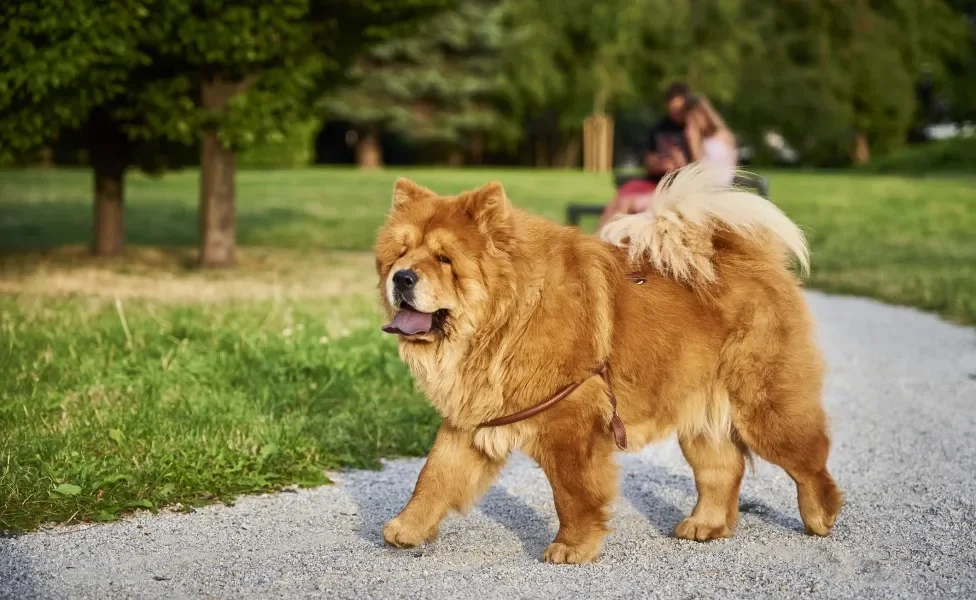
(444, 259)
(403, 251)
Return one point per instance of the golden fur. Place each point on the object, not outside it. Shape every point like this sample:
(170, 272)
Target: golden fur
(716, 346)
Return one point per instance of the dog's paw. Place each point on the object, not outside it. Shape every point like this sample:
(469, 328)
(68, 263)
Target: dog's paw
(403, 534)
(699, 530)
(561, 554)
(820, 507)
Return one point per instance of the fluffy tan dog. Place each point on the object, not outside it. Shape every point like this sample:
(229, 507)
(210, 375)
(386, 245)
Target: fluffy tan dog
(691, 307)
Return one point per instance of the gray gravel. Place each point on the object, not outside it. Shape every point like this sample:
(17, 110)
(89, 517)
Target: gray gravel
(902, 395)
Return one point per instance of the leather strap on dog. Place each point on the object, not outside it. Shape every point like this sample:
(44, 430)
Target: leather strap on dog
(616, 425)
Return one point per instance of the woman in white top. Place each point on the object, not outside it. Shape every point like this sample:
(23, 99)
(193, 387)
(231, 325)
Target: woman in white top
(709, 139)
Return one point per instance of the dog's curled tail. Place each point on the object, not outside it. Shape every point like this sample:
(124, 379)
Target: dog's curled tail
(675, 235)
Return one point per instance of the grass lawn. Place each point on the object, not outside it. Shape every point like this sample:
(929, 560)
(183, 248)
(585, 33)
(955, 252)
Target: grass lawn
(143, 382)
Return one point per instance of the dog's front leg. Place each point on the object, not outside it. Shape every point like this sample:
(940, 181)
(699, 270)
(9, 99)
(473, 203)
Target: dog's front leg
(455, 476)
(583, 476)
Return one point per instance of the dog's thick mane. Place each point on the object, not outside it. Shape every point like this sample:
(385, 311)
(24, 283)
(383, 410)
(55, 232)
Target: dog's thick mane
(676, 235)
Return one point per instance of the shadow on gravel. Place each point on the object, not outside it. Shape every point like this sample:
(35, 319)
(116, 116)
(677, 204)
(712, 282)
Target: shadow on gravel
(638, 487)
(650, 489)
(17, 576)
(380, 496)
(514, 514)
(768, 514)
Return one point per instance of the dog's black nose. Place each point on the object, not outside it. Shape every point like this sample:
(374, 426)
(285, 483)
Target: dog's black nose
(404, 279)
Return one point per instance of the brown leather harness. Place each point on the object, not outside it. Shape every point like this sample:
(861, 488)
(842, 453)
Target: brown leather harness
(616, 425)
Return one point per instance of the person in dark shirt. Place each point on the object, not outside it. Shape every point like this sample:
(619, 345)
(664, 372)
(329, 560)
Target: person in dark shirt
(667, 150)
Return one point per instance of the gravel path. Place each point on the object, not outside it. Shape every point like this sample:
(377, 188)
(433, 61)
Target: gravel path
(902, 395)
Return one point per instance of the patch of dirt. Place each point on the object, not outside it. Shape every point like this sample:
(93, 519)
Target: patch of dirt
(169, 275)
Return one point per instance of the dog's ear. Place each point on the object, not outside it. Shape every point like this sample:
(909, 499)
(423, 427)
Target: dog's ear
(491, 210)
(406, 191)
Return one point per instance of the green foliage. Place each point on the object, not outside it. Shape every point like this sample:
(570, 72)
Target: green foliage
(144, 63)
(61, 59)
(817, 71)
(286, 52)
(956, 155)
(575, 58)
(293, 148)
(441, 83)
(702, 43)
(830, 70)
(960, 85)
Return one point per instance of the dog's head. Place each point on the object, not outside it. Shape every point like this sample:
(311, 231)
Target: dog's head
(441, 258)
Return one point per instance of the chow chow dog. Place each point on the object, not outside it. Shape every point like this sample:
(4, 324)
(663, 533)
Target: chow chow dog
(529, 335)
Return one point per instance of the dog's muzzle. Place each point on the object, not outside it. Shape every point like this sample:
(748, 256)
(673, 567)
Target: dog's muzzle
(404, 282)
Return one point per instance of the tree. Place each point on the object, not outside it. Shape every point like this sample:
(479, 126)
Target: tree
(579, 57)
(701, 42)
(61, 65)
(962, 84)
(440, 85)
(572, 60)
(135, 80)
(250, 68)
(838, 79)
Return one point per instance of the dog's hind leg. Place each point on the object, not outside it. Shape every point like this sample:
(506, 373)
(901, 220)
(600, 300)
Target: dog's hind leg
(774, 374)
(718, 465)
(455, 475)
(794, 436)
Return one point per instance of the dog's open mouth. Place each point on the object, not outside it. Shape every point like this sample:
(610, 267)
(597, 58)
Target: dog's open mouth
(410, 321)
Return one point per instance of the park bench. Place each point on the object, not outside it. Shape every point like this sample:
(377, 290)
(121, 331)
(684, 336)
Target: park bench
(575, 212)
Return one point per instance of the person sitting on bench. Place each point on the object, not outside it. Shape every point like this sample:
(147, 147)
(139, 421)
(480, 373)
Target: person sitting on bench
(709, 139)
(668, 150)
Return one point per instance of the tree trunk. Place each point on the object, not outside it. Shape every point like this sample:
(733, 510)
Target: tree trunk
(109, 224)
(218, 245)
(45, 157)
(369, 153)
(568, 157)
(477, 148)
(110, 150)
(455, 158)
(862, 151)
(540, 152)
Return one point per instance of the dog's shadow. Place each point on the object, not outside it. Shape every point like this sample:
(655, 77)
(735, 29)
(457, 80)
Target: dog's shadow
(644, 486)
(380, 497)
(639, 487)
(513, 513)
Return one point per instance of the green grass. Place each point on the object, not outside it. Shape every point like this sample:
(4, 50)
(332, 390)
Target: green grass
(204, 386)
(194, 403)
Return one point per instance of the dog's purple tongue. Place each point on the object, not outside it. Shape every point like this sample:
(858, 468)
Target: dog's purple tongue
(409, 322)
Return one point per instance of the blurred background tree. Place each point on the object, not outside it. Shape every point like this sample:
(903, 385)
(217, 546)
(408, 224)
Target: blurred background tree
(66, 70)
(159, 84)
(136, 83)
(251, 70)
(838, 80)
(441, 84)
(568, 59)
